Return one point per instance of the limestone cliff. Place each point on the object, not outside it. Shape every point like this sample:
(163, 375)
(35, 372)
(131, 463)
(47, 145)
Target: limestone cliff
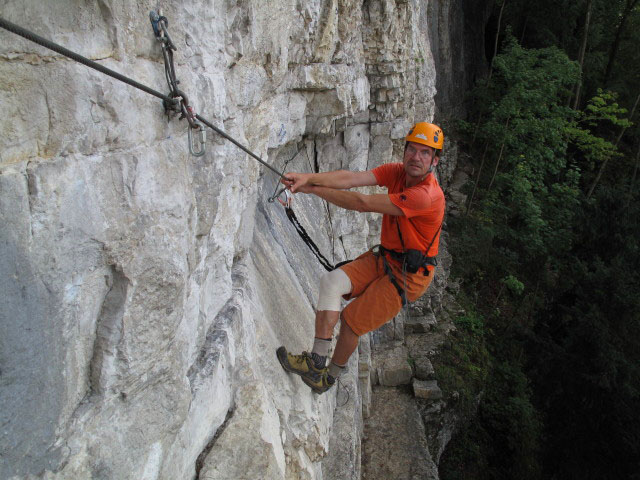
(145, 290)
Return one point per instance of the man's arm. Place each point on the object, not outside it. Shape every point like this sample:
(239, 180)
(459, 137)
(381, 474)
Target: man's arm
(339, 179)
(379, 203)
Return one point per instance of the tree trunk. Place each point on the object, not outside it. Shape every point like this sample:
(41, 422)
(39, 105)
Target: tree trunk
(495, 171)
(473, 193)
(583, 48)
(495, 43)
(524, 28)
(495, 52)
(630, 4)
(633, 178)
(606, 160)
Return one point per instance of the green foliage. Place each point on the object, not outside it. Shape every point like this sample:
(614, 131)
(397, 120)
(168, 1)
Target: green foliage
(603, 107)
(526, 202)
(501, 440)
(471, 323)
(552, 275)
(462, 365)
(561, 349)
(514, 285)
(600, 114)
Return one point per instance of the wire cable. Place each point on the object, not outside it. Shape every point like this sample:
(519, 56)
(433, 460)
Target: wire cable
(79, 58)
(239, 145)
(107, 71)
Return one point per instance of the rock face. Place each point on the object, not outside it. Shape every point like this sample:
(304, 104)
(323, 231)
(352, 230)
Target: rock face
(399, 449)
(456, 33)
(146, 290)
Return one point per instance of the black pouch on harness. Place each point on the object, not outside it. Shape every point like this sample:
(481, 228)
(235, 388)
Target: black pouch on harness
(414, 259)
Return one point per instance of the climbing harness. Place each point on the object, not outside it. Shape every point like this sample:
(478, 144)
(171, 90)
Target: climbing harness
(307, 239)
(411, 261)
(310, 243)
(286, 203)
(305, 236)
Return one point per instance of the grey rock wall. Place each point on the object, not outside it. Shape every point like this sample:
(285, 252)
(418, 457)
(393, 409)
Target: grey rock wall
(145, 290)
(456, 30)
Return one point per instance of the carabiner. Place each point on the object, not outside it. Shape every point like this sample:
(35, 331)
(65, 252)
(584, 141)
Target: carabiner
(276, 194)
(160, 30)
(155, 19)
(201, 139)
(288, 198)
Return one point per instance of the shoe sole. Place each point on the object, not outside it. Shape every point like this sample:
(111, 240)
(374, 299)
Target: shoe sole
(313, 387)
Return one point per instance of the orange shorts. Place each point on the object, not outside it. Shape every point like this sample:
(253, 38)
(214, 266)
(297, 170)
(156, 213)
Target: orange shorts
(376, 299)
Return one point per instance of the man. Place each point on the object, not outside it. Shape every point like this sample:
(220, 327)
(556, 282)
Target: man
(381, 282)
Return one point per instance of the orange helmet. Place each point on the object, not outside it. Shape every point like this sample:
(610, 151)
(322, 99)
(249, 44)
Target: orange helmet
(426, 134)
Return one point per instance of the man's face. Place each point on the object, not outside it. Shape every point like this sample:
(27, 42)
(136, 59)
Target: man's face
(418, 159)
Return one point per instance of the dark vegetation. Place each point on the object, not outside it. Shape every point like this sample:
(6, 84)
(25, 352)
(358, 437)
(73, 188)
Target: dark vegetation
(546, 361)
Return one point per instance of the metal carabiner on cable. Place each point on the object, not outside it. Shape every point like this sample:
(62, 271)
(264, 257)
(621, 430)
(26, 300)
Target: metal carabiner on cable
(160, 30)
(197, 144)
(288, 198)
(201, 140)
(155, 19)
(276, 194)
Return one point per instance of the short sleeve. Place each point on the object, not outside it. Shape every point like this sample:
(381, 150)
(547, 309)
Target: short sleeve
(413, 201)
(386, 174)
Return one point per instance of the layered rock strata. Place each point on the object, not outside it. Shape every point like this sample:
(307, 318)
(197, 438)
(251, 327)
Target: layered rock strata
(145, 290)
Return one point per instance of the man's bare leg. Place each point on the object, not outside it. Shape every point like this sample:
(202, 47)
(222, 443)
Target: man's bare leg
(347, 343)
(325, 322)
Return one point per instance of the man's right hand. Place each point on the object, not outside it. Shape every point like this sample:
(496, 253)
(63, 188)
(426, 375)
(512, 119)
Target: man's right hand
(296, 181)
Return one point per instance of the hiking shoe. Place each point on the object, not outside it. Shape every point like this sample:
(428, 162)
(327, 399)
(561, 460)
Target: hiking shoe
(299, 364)
(319, 382)
(303, 365)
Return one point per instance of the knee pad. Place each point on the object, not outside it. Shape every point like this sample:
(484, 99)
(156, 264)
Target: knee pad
(333, 285)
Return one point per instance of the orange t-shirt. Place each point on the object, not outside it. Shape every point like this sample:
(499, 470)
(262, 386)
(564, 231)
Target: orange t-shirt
(423, 208)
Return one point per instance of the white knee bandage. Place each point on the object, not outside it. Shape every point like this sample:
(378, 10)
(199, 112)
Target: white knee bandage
(332, 286)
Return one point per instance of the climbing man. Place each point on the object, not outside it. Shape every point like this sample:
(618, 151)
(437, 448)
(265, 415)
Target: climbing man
(383, 279)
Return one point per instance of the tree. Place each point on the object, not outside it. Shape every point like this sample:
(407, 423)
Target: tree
(623, 127)
(555, 210)
(589, 133)
(629, 6)
(524, 127)
(583, 48)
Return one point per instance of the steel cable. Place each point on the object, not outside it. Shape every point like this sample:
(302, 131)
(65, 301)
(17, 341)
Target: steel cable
(239, 145)
(79, 58)
(107, 71)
